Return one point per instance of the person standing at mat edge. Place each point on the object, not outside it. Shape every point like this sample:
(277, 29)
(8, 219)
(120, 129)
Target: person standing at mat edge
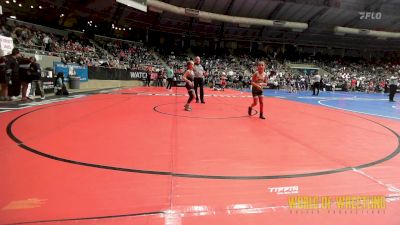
(188, 78)
(36, 73)
(12, 70)
(4, 80)
(317, 83)
(170, 76)
(393, 83)
(198, 79)
(148, 76)
(257, 82)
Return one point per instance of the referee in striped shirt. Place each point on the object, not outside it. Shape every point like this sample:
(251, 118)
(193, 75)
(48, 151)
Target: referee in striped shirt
(198, 79)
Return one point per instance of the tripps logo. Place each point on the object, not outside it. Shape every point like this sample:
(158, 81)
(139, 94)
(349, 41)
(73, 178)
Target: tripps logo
(284, 190)
(370, 15)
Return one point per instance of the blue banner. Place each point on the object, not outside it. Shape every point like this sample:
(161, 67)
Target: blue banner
(71, 69)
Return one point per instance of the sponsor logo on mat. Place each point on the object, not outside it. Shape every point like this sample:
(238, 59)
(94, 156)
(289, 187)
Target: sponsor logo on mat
(284, 190)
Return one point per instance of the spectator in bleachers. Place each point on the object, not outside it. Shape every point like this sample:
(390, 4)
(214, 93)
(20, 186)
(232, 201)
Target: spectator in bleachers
(4, 80)
(12, 70)
(47, 43)
(121, 54)
(59, 85)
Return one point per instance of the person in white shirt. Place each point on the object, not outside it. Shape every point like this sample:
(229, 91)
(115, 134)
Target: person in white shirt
(47, 43)
(316, 85)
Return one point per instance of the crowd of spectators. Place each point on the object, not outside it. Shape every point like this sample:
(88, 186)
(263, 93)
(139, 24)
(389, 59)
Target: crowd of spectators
(354, 73)
(345, 72)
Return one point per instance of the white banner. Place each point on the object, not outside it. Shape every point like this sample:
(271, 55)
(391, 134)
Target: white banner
(6, 45)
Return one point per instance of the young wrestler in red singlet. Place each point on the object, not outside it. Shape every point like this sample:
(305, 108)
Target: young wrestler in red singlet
(257, 82)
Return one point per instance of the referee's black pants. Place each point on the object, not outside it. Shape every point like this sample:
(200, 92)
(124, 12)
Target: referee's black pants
(392, 92)
(316, 86)
(199, 82)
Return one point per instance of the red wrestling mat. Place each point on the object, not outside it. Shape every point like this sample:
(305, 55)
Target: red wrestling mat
(129, 158)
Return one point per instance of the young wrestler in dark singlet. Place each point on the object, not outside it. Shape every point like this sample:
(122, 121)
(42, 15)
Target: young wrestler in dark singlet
(188, 78)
